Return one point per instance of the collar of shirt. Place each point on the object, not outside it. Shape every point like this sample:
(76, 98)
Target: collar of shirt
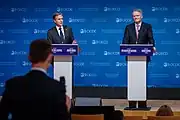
(138, 24)
(39, 69)
(62, 29)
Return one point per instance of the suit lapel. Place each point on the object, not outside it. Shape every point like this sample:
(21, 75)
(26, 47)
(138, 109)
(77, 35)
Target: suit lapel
(65, 31)
(59, 39)
(134, 31)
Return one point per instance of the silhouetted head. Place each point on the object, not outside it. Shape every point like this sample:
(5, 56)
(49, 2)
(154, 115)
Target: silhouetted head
(40, 53)
(164, 110)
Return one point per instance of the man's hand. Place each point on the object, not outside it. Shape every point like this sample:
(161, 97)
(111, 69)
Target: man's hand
(68, 102)
(74, 42)
(154, 49)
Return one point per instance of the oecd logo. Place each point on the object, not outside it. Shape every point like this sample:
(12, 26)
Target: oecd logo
(106, 9)
(123, 20)
(13, 52)
(18, 9)
(177, 31)
(37, 31)
(25, 20)
(172, 20)
(99, 42)
(159, 9)
(55, 50)
(71, 50)
(59, 9)
(25, 63)
(73, 20)
(177, 76)
(87, 31)
(171, 64)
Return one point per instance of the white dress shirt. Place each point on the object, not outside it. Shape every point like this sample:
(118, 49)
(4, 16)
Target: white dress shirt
(62, 29)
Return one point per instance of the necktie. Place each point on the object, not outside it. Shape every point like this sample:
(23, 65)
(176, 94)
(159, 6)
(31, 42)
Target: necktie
(61, 33)
(137, 30)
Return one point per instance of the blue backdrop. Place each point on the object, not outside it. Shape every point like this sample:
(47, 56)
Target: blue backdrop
(98, 27)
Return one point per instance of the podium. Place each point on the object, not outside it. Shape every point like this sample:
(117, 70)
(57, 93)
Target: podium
(136, 55)
(63, 63)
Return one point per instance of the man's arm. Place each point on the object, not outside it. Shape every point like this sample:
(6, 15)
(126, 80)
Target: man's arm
(49, 37)
(60, 108)
(150, 36)
(71, 35)
(5, 103)
(126, 36)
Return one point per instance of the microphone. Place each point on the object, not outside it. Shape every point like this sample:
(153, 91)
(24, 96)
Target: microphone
(62, 80)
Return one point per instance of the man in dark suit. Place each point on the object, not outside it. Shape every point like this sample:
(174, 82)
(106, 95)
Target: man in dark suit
(35, 95)
(60, 34)
(138, 32)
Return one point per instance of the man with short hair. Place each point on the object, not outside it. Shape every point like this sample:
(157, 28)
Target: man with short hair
(138, 32)
(35, 95)
(60, 34)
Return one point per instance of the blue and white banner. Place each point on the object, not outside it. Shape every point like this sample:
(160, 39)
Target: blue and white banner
(98, 28)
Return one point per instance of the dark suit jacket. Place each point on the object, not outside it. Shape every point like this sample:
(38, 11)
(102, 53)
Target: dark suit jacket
(145, 35)
(54, 38)
(34, 96)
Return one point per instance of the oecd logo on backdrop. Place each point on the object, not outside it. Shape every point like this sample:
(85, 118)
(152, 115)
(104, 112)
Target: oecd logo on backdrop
(13, 52)
(121, 64)
(106, 53)
(172, 20)
(82, 75)
(159, 9)
(7, 42)
(59, 9)
(87, 31)
(37, 31)
(177, 31)
(177, 76)
(18, 9)
(76, 20)
(26, 63)
(123, 20)
(29, 20)
(112, 9)
(166, 64)
(101, 42)
(161, 53)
